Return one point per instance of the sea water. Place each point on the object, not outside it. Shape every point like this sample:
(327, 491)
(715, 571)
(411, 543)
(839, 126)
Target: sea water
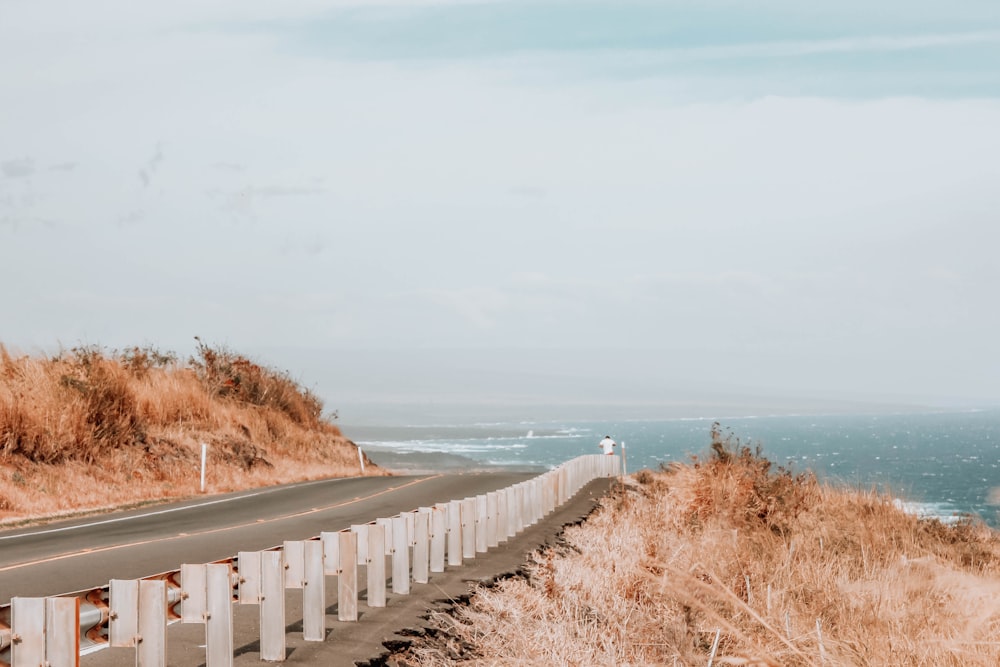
(942, 464)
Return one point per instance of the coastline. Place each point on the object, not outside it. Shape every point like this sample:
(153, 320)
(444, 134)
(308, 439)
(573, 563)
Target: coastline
(940, 463)
(398, 462)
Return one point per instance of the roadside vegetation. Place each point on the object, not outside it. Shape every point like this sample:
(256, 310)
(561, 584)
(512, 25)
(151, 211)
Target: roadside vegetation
(729, 560)
(91, 428)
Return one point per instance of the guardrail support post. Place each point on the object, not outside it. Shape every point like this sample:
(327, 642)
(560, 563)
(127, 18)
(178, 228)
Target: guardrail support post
(521, 521)
(469, 528)
(295, 563)
(387, 528)
(455, 533)
(123, 621)
(27, 627)
(347, 577)
(439, 533)
(551, 492)
(511, 494)
(193, 593)
(376, 565)
(502, 516)
(313, 592)
(272, 605)
(46, 631)
(249, 568)
(219, 616)
(536, 500)
(331, 553)
(481, 523)
(361, 531)
(151, 650)
(62, 631)
(491, 520)
(400, 556)
(421, 545)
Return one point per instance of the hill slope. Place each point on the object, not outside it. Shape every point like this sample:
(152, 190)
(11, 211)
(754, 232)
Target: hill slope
(89, 428)
(728, 561)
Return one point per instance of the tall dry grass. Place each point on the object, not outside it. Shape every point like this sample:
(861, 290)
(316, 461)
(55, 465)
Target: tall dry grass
(91, 428)
(730, 561)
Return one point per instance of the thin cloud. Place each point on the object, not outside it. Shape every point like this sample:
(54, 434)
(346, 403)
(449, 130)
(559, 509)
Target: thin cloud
(662, 58)
(479, 306)
(241, 202)
(531, 191)
(312, 246)
(282, 191)
(131, 218)
(19, 168)
(14, 222)
(146, 172)
(229, 166)
(790, 49)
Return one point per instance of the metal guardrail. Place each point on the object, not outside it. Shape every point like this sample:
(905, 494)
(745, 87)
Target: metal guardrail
(135, 613)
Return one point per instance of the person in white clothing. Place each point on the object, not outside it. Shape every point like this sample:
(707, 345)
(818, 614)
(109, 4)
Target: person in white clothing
(608, 445)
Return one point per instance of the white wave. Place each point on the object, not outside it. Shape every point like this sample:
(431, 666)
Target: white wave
(943, 512)
(444, 446)
(513, 462)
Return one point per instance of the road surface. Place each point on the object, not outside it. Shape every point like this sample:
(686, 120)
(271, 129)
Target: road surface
(71, 556)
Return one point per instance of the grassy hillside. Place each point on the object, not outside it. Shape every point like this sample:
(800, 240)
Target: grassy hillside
(92, 428)
(729, 561)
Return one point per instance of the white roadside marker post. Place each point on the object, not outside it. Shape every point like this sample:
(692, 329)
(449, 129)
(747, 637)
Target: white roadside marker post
(204, 452)
(361, 459)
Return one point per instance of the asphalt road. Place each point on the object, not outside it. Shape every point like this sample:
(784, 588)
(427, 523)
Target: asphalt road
(81, 554)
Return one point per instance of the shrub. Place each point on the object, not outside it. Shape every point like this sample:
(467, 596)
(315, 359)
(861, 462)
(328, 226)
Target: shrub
(692, 572)
(236, 378)
(88, 427)
(738, 481)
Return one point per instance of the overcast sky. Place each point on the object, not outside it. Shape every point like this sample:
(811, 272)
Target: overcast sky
(614, 200)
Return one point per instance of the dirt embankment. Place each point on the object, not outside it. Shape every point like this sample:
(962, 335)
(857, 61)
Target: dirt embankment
(90, 428)
(727, 560)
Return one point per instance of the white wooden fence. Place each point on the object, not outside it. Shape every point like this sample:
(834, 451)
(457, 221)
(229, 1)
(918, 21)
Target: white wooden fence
(135, 613)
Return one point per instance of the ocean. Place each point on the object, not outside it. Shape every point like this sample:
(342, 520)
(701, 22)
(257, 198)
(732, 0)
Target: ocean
(939, 464)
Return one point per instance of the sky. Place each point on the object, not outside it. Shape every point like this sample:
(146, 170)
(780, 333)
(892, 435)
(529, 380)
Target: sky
(679, 205)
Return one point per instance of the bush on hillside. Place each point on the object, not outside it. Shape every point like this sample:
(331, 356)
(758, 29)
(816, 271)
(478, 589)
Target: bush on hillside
(234, 377)
(78, 405)
(84, 403)
(737, 481)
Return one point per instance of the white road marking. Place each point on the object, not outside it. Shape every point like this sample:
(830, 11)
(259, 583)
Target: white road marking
(166, 511)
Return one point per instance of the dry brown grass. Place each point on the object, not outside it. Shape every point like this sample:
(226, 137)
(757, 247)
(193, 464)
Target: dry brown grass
(91, 429)
(782, 569)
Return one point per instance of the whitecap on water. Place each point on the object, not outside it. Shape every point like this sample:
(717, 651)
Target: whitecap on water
(941, 511)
